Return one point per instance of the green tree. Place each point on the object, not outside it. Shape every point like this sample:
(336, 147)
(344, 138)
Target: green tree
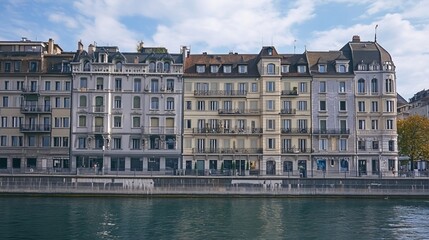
(413, 138)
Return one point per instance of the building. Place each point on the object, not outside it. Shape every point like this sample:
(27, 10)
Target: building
(35, 87)
(127, 110)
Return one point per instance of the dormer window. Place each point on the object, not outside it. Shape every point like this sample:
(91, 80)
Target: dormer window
(201, 68)
(341, 68)
(362, 67)
(270, 51)
(86, 66)
(214, 68)
(152, 67)
(242, 68)
(118, 67)
(227, 68)
(285, 68)
(322, 68)
(103, 58)
(302, 68)
(166, 67)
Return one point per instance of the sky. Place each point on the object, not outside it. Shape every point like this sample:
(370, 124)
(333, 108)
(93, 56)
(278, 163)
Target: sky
(222, 26)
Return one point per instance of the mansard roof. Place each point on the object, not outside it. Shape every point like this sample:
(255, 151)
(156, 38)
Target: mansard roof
(328, 58)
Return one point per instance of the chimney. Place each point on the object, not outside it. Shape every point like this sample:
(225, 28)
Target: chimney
(356, 38)
(80, 46)
(136, 59)
(91, 48)
(50, 46)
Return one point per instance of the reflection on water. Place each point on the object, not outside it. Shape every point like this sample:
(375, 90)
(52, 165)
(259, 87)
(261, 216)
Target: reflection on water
(212, 218)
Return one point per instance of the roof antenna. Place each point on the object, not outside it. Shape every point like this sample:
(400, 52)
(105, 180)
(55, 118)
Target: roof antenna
(375, 33)
(294, 46)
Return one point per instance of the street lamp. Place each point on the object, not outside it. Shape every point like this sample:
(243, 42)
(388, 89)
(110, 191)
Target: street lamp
(380, 150)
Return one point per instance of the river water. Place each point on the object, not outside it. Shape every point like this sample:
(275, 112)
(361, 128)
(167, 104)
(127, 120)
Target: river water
(212, 218)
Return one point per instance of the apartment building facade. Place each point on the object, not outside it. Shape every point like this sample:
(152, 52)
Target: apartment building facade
(35, 91)
(127, 110)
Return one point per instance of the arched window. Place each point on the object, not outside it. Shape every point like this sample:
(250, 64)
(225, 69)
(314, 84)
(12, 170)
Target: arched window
(152, 67)
(136, 102)
(99, 104)
(342, 68)
(166, 67)
(159, 66)
(118, 67)
(361, 86)
(154, 103)
(374, 85)
(170, 103)
(86, 66)
(271, 68)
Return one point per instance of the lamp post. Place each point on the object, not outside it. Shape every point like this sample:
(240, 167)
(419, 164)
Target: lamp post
(380, 150)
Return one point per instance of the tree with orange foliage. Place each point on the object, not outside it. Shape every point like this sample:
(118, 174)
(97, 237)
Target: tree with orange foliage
(413, 138)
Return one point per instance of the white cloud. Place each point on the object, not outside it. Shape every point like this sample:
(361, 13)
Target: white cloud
(62, 18)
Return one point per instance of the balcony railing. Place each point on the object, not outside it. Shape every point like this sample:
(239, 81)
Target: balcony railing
(220, 93)
(35, 128)
(227, 130)
(160, 130)
(30, 90)
(239, 111)
(288, 111)
(289, 93)
(35, 109)
(296, 150)
(99, 109)
(227, 150)
(331, 131)
(296, 130)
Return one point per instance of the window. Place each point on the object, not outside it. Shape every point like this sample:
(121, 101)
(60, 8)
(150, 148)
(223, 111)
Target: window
(57, 102)
(227, 105)
(5, 101)
(82, 121)
(66, 102)
(136, 102)
(7, 67)
(361, 106)
(17, 66)
(99, 104)
(135, 143)
(170, 85)
(83, 82)
(166, 67)
(242, 68)
(375, 144)
(68, 86)
(322, 87)
(342, 87)
(4, 122)
(271, 124)
(214, 105)
(374, 85)
(170, 103)
(227, 68)
(82, 101)
(322, 105)
(136, 122)
(136, 164)
(361, 145)
(391, 145)
(17, 141)
(3, 141)
(254, 87)
(302, 125)
(285, 68)
(46, 141)
(361, 124)
(303, 87)
(342, 68)
(302, 105)
(271, 143)
(117, 121)
(271, 69)
(188, 105)
(154, 85)
(374, 124)
(374, 106)
(389, 86)
(117, 102)
(201, 105)
(100, 83)
(302, 68)
(154, 103)
(322, 68)
(361, 86)
(322, 125)
(214, 68)
(57, 86)
(188, 123)
(343, 144)
(323, 144)
(271, 86)
(118, 67)
(390, 106)
(117, 143)
(201, 68)
(343, 105)
(270, 105)
(152, 67)
(118, 84)
(389, 124)
(48, 86)
(81, 142)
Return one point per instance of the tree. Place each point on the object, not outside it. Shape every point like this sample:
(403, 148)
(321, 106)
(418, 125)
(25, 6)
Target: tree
(413, 138)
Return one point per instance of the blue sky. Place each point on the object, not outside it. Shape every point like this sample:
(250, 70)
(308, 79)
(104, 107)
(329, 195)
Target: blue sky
(220, 26)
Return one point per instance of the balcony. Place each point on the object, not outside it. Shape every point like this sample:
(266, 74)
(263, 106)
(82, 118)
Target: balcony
(98, 129)
(159, 130)
(35, 128)
(292, 93)
(239, 111)
(221, 130)
(288, 111)
(30, 90)
(296, 150)
(35, 109)
(227, 150)
(332, 131)
(295, 130)
(98, 109)
(220, 93)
